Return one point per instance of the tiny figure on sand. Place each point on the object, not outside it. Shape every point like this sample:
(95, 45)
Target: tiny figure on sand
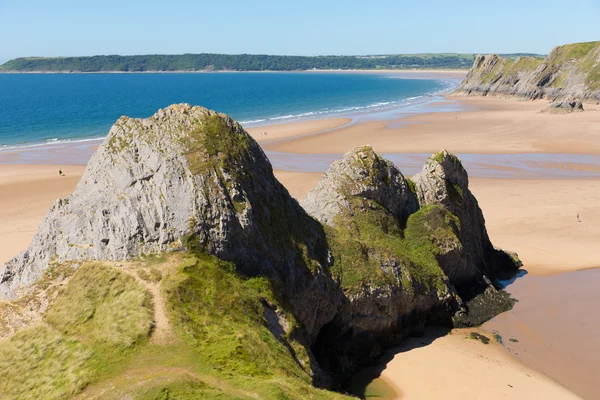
(60, 173)
(578, 220)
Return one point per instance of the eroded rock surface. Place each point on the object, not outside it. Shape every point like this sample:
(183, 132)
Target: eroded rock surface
(406, 254)
(382, 257)
(569, 71)
(185, 177)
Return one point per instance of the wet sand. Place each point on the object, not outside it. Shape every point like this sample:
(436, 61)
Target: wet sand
(535, 217)
(554, 328)
(455, 366)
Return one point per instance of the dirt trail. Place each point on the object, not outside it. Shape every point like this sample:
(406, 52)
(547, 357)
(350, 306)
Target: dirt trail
(163, 332)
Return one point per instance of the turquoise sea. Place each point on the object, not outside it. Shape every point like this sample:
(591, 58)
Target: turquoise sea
(47, 108)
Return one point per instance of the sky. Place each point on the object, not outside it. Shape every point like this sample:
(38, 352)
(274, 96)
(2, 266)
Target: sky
(308, 27)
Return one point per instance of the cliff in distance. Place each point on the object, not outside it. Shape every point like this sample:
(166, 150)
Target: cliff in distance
(569, 71)
(181, 263)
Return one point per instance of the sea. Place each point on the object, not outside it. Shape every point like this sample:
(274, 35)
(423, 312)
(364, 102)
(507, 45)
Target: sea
(38, 109)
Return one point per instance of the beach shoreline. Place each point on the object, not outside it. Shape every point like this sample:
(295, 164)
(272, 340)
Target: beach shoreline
(456, 72)
(354, 109)
(533, 216)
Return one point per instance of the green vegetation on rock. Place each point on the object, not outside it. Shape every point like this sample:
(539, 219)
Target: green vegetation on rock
(569, 71)
(217, 141)
(363, 239)
(96, 340)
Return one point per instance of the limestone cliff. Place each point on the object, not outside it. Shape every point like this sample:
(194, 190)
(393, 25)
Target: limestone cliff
(406, 254)
(185, 177)
(380, 257)
(569, 71)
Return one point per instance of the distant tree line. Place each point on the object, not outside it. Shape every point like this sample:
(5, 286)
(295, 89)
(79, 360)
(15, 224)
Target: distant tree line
(238, 62)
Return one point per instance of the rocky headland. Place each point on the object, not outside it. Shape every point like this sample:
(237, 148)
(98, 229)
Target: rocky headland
(569, 72)
(256, 285)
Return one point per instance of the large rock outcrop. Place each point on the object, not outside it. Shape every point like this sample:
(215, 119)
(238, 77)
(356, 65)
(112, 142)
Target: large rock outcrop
(382, 257)
(185, 177)
(363, 174)
(405, 254)
(569, 71)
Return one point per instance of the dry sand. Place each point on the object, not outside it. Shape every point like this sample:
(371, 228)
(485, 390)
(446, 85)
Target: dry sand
(26, 194)
(285, 131)
(491, 126)
(536, 218)
(458, 367)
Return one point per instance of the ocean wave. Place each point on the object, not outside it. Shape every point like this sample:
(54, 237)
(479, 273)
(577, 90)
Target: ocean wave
(444, 87)
(327, 112)
(284, 117)
(253, 121)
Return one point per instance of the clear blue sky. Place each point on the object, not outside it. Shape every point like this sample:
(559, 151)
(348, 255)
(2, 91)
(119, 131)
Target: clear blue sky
(309, 27)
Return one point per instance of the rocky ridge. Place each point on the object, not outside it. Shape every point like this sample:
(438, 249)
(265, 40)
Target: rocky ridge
(406, 253)
(569, 72)
(380, 257)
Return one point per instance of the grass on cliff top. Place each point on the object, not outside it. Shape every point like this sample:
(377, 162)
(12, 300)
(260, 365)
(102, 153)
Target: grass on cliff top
(508, 68)
(95, 344)
(215, 142)
(585, 62)
(40, 363)
(362, 240)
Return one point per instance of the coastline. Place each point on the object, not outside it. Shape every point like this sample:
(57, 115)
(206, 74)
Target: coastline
(356, 110)
(482, 126)
(534, 217)
(461, 72)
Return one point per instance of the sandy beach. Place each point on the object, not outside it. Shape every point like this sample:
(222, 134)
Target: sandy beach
(26, 194)
(271, 133)
(488, 126)
(457, 367)
(534, 217)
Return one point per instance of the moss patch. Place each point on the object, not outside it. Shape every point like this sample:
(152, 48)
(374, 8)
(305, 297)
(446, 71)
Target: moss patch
(369, 237)
(478, 336)
(216, 141)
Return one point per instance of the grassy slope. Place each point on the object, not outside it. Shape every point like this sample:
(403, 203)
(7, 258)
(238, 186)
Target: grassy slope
(96, 339)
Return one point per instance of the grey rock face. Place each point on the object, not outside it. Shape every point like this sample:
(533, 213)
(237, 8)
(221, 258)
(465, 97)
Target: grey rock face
(185, 176)
(568, 105)
(188, 178)
(360, 173)
(444, 181)
(567, 72)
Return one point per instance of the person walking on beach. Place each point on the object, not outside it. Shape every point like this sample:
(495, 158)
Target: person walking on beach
(60, 172)
(578, 218)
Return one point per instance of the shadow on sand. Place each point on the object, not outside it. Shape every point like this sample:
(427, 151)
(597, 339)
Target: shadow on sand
(368, 383)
